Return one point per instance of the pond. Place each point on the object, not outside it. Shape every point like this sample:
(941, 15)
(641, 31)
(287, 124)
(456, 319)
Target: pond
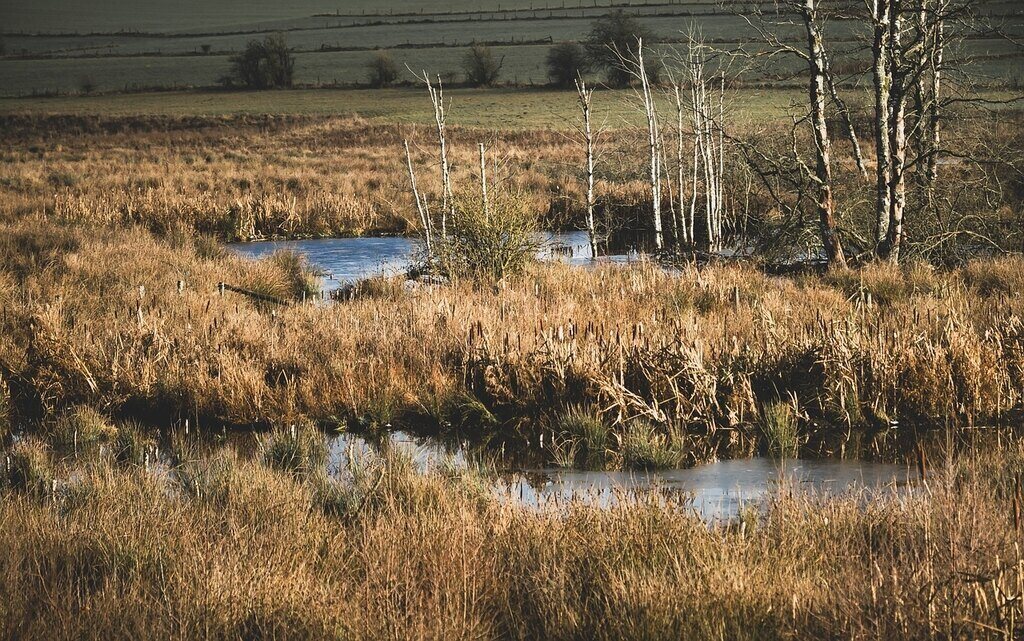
(345, 260)
(717, 491)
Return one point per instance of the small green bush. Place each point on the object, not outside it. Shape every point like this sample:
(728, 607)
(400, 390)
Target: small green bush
(382, 70)
(565, 62)
(490, 244)
(481, 67)
(264, 64)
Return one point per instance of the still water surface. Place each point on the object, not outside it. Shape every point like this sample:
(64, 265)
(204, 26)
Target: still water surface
(717, 491)
(345, 260)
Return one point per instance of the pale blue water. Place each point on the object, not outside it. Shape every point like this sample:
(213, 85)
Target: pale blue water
(718, 490)
(345, 260)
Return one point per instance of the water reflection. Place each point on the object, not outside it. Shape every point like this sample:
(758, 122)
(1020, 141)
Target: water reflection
(343, 260)
(717, 491)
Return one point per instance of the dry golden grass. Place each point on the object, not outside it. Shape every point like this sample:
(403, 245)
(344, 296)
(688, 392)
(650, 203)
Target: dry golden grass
(95, 318)
(225, 548)
(247, 178)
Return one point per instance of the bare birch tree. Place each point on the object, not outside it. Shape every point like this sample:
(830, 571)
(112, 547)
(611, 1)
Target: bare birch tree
(821, 90)
(483, 183)
(440, 120)
(707, 110)
(907, 65)
(822, 173)
(685, 226)
(639, 69)
(421, 205)
(585, 97)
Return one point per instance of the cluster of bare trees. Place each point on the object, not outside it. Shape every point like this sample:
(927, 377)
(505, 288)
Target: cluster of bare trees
(435, 90)
(707, 122)
(700, 110)
(908, 54)
(436, 93)
(907, 42)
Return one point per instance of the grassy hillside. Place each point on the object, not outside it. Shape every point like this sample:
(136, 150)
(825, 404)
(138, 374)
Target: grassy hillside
(53, 52)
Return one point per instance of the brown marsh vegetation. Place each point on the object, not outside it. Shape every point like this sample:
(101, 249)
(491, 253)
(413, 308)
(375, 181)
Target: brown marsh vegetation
(223, 547)
(245, 178)
(250, 177)
(695, 361)
(114, 321)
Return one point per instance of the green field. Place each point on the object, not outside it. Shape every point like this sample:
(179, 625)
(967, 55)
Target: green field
(48, 51)
(154, 15)
(491, 108)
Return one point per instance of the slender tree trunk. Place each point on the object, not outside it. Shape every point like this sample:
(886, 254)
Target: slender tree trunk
(883, 86)
(818, 91)
(709, 164)
(653, 141)
(922, 99)
(680, 175)
(937, 59)
(720, 179)
(585, 96)
(447, 196)
(483, 183)
(699, 159)
(421, 204)
(898, 139)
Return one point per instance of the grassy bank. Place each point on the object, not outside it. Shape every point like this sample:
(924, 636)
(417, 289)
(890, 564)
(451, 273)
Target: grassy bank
(243, 177)
(224, 548)
(488, 108)
(696, 362)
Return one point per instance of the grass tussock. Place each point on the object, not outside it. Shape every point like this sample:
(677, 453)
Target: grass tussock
(300, 450)
(132, 445)
(28, 467)
(780, 427)
(231, 548)
(587, 436)
(82, 425)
